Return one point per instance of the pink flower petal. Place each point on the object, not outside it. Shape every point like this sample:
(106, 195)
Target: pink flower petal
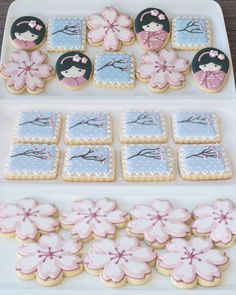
(232, 225)
(110, 14)
(17, 81)
(221, 233)
(104, 246)
(48, 270)
(139, 226)
(224, 205)
(42, 71)
(111, 41)
(170, 260)
(181, 65)
(96, 21)
(146, 71)
(184, 272)
(9, 210)
(26, 230)
(200, 244)
(52, 240)
(21, 57)
(157, 234)
(28, 264)
(150, 57)
(161, 206)
(96, 260)
(178, 215)
(159, 80)
(106, 204)
(207, 271)
(142, 211)
(29, 249)
(134, 269)
(116, 217)
(9, 224)
(82, 229)
(38, 57)
(175, 79)
(68, 262)
(203, 225)
(113, 272)
(103, 228)
(83, 205)
(27, 203)
(177, 245)
(46, 209)
(125, 34)
(33, 82)
(169, 55)
(177, 230)
(143, 254)
(72, 246)
(46, 224)
(215, 257)
(127, 243)
(97, 34)
(203, 211)
(10, 68)
(124, 21)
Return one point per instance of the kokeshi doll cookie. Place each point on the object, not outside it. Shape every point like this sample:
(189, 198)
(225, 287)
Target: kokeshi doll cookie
(73, 70)
(119, 262)
(152, 28)
(210, 68)
(192, 262)
(28, 33)
(111, 29)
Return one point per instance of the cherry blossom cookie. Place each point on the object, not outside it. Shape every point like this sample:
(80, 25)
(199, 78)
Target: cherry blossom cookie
(27, 220)
(163, 70)
(49, 260)
(158, 222)
(111, 29)
(119, 262)
(210, 68)
(216, 221)
(192, 262)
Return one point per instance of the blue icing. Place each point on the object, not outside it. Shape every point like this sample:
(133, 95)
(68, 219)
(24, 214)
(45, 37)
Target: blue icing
(113, 68)
(191, 30)
(147, 159)
(32, 158)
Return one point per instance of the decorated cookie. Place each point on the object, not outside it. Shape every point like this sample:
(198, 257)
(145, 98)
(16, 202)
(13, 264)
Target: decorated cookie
(73, 70)
(204, 162)
(37, 127)
(100, 219)
(158, 222)
(114, 70)
(143, 127)
(32, 161)
(193, 262)
(49, 260)
(163, 70)
(147, 162)
(119, 262)
(89, 163)
(152, 28)
(88, 128)
(195, 127)
(27, 219)
(191, 32)
(111, 29)
(210, 67)
(26, 71)
(216, 221)
(28, 33)
(66, 34)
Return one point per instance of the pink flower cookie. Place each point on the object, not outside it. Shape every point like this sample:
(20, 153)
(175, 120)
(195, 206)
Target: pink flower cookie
(26, 71)
(120, 262)
(163, 70)
(27, 219)
(158, 222)
(99, 219)
(192, 262)
(216, 221)
(49, 260)
(110, 29)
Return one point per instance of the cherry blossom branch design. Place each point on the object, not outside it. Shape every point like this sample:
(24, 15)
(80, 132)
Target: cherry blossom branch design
(154, 153)
(89, 157)
(69, 30)
(40, 154)
(196, 120)
(208, 152)
(192, 27)
(96, 122)
(117, 64)
(39, 121)
(144, 119)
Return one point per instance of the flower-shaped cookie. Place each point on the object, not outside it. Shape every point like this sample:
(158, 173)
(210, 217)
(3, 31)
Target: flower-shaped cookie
(120, 261)
(99, 219)
(192, 262)
(27, 219)
(158, 222)
(110, 29)
(217, 221)
(49, 260)
(26, 71)
(162, 70)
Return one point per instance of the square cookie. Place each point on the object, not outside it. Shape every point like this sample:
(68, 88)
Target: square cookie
(204, 162)
(88, 128)
(191, 32)
(32, 161)
(195, 127)
(37, 127)
(147, 162)
(66, 34)
(89, 163)
(114, 70)
(143, 127)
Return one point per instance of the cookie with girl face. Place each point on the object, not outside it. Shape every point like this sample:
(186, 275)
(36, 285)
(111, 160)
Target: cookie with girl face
(152, 28)
(28, 33)
(73, 69)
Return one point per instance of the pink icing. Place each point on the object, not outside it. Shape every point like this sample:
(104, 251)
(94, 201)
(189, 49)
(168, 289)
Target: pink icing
(217, 220)
(210, 80)
(21, 44)
(49, 257)
(152, 40)
(163, 69)
(189, 260)
(99, 218)
(27, 219)
(110, 28)
(73, 82)
(119, 259)
(158, 222)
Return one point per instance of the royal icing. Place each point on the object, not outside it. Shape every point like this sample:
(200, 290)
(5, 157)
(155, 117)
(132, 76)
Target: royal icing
(120, 260)
(218, 221)
(110, 28)
(158, 222)
(66, 34)
(26, 71)
(162, 70)
(88, 218)
(50, 258)
(27, 219)
(152, 28)
(192, 260)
